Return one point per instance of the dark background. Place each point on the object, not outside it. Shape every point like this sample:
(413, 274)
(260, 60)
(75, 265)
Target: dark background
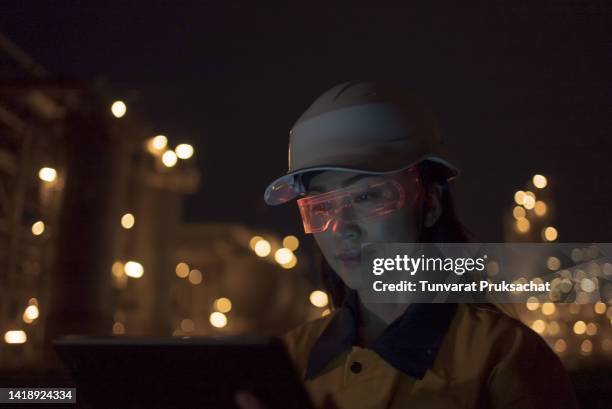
(519, 88)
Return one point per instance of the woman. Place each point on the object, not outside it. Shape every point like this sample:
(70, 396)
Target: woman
(366, 165)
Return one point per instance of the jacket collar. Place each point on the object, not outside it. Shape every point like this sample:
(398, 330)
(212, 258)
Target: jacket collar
(410, 343)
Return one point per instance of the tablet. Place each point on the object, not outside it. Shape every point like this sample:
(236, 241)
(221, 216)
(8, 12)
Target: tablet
(180, 372)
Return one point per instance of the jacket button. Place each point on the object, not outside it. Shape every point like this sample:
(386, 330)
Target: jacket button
(356, 367)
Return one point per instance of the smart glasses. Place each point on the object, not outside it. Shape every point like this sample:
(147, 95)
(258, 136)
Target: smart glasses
(363, 201)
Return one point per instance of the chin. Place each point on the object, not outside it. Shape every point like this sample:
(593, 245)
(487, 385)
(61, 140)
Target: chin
(351, 277)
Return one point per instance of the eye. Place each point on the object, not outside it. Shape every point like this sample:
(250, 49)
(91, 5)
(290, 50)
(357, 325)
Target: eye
(371, 194)
(362, 197)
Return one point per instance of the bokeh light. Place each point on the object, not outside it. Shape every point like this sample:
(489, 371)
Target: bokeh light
(319, 298)
(591, 329)
(182, 270)
(218, 319)
(47, 174)
(262, 248)
(539, 181)
(184, 151)
(539, 326)
(133, 269)
(118, 328)
(38, 228)
(283, 255)
(118, 108)
(291, 242)
(560, 346)
(159, 142)
(523, 225)
(31, 312)
(550, 233)
(519, 196)
(195, 277)
(579, 327)
(291, 263)
(187, 325)
(223, 304)
(127, 221)
(548, 308)
(586, 347)
(15, 337)
(169, 159)
(540, 208)
(117, 269)
(587, 285)
(254, 240)
(518, 212)
(532, 304)
(553, 263)
(529, 200)
(26, 319)
(599, 308)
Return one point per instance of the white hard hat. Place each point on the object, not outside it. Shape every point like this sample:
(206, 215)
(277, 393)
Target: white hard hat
(363, 127)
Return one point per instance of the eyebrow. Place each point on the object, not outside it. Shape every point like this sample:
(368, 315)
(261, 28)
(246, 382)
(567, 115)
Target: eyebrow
(345, 183)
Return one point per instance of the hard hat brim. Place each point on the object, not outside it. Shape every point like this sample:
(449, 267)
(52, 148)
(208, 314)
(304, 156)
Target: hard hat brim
(289, 186)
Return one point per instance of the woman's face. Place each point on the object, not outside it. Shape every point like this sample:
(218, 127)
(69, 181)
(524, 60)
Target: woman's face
(341, 242)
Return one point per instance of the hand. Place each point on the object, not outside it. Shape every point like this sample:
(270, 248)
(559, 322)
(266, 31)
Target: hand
(246, 400)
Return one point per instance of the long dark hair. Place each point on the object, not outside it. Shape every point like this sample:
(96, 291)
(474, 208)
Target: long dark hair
(447, 229)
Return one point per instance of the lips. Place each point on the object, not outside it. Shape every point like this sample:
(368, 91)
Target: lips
(349, 255)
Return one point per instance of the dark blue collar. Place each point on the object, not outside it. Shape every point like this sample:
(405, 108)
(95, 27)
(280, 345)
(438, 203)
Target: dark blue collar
(409, 344)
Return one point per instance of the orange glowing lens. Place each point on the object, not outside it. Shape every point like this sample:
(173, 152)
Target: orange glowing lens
(360, 202)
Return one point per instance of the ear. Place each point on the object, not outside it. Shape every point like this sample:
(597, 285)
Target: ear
(433, 204)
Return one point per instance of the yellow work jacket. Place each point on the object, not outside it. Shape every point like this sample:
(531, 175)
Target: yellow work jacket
(433, 356)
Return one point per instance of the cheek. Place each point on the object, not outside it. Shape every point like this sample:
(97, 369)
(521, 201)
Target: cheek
(325, 244)
(399, 227)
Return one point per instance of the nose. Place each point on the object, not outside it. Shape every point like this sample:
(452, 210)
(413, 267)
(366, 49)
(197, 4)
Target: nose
(343, 224)
(346, 230)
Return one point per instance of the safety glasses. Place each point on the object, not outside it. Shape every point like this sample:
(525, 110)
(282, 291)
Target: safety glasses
(363, 201)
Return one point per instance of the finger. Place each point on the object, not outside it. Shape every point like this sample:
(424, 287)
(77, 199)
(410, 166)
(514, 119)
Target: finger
(246, 400)
(329, 403)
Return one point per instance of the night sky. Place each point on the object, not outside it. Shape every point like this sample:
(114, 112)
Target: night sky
(518, 90)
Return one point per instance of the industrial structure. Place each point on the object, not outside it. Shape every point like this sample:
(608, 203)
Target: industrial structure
(91, 236)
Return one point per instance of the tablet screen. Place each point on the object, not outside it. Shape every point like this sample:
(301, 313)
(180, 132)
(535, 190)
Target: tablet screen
(188, 372)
